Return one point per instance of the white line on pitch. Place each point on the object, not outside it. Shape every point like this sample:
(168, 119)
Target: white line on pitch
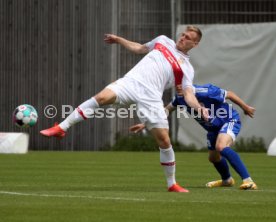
(70, 196)
(92, 197)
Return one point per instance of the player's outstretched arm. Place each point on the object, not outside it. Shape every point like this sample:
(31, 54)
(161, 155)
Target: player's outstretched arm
(134, 47)
(248, 110)
(192, 101)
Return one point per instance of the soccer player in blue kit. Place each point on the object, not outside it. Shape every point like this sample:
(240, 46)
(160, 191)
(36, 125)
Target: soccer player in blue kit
(223, 127)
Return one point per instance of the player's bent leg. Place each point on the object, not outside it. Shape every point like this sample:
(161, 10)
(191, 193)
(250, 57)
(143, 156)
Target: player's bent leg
(84, 111)
(223, 145)
(78, 115)
(222, 167)
(219, 163)
(235, 161)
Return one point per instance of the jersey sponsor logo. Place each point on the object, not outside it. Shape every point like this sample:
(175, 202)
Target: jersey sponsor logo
(201, 90)
(177, 71)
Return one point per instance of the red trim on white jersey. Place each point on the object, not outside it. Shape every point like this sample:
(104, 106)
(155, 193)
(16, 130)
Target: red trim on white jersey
(177, 71)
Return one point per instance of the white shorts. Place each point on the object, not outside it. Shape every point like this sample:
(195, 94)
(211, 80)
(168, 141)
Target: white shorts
(149, 106)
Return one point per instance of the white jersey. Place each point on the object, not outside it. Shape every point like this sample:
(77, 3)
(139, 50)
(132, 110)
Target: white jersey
(154, 71)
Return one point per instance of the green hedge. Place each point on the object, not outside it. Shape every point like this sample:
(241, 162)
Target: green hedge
(252, 144)
(140, 142)
(145, 143)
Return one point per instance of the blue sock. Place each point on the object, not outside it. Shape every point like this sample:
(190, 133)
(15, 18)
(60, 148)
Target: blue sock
(235, 161)
(222, 168)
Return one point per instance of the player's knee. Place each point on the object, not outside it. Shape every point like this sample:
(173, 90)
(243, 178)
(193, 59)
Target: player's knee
(164, 142)
(100, 99)
(105, 97)
(161, 137)
(220, 147)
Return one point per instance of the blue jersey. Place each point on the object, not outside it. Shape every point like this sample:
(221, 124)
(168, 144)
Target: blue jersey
(213, 98)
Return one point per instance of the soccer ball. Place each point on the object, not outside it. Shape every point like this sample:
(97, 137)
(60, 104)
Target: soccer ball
(25, 116)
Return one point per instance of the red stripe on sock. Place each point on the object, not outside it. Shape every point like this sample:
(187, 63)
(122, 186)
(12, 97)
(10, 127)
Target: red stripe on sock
(81, 113)
(168, 164)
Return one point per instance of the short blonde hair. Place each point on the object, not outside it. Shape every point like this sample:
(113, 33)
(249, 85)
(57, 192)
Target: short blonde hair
(196, 30)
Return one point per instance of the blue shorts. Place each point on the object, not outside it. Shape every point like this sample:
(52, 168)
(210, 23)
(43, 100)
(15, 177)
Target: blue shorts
(231, 128)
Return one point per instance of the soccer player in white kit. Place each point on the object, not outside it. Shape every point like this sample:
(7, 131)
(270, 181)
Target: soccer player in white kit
(144, 85)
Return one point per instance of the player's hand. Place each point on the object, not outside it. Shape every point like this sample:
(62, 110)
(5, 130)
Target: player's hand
(110, 38)
(205, 113)
(137, 128)
(248, 110)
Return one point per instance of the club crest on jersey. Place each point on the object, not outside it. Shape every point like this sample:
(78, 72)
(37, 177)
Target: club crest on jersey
(180, 61)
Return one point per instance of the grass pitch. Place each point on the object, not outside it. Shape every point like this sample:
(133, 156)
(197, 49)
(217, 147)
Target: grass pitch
(128, 186)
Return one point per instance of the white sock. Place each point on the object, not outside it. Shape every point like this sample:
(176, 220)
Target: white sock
(248, 179)
(79, 114)
(167, 160)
